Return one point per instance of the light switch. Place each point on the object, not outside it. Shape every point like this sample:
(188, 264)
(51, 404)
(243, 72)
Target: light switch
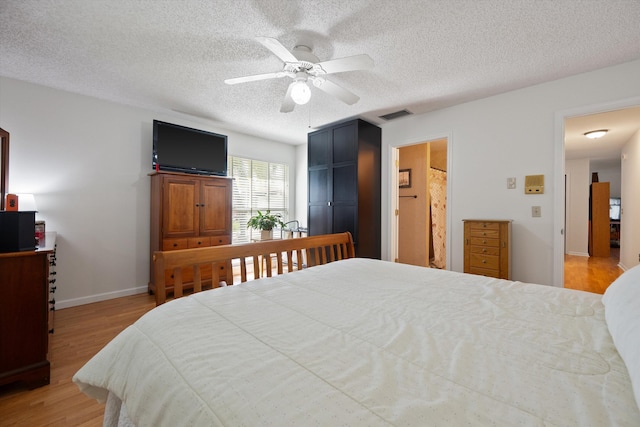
(511, 183)
(536, 211)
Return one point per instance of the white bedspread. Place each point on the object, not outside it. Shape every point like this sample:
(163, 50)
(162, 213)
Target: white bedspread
(366, 343)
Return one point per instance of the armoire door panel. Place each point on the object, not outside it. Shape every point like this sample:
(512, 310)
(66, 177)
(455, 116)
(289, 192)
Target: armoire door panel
(345, 147)
(319, 220)
(318, 188)
(345, 184)
(318, 149)
(180, 213)
(213, 209)
(344, 219)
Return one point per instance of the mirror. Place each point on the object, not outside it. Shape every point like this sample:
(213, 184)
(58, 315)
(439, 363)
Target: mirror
(4, 166)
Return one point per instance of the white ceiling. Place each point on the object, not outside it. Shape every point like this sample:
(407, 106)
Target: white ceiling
(175, 55)
(620, 126)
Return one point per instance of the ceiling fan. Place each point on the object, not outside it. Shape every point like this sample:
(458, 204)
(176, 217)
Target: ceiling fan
(303, 66)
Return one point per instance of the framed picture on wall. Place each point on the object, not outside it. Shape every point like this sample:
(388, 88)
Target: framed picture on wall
(404, 178)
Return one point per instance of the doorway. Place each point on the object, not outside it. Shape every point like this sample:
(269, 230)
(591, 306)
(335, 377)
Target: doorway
(421, 204)
(578, 164)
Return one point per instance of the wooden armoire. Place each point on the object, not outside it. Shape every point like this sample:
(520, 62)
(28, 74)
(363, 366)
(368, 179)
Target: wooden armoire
(189, 211)
(344, 183)
(599, 221)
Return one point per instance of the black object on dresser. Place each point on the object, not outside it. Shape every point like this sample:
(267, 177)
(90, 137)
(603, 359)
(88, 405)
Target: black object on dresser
(17, 231)
(344, 183)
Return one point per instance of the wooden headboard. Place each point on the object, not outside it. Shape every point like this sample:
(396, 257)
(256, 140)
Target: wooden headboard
(294, 254)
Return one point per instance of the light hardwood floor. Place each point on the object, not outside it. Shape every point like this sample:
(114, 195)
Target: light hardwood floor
(82, 331)
(591, 274)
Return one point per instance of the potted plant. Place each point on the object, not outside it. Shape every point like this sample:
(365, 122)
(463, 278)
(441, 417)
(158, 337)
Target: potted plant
(265, 223)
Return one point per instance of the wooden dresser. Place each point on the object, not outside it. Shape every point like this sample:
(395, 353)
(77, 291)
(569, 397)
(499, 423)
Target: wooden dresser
(25, 320)
(487, 247)
(189, 211)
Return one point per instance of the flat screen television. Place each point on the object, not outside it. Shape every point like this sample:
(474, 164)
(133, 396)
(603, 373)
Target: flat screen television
(614, 209)
(182, 149)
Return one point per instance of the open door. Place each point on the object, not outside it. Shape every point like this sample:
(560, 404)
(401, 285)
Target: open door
(422, 177)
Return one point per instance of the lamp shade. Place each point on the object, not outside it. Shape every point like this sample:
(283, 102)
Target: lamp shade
(26, 202)
(300, 92)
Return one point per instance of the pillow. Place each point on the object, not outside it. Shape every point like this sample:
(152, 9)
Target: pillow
(622, 312)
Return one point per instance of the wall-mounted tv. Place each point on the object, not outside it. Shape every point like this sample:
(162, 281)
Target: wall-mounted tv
(614, 209)
(181, 149)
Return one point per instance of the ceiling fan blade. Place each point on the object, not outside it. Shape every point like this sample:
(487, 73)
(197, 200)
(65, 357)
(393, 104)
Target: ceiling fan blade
(287, 103)
(278, 50)
(349, 63)
(254, 78)
(339, 92)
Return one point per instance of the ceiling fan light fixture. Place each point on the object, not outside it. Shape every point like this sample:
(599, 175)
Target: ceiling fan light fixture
(300, 92)
(595, 134)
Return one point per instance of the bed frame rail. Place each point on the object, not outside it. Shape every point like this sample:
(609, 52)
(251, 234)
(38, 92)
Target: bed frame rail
(292, 254)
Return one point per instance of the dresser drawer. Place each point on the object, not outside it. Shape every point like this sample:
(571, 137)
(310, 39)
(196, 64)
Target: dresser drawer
(482, 233)
(482, 225)
(483, 241)
(175, 244)
(199, 242)
(491, 262)
(220, 240)
(485, 250)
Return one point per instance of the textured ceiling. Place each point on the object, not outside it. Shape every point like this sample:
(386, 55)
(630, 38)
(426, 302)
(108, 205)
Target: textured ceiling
(175, 55)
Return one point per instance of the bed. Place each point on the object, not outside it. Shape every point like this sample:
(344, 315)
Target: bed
(362, 342)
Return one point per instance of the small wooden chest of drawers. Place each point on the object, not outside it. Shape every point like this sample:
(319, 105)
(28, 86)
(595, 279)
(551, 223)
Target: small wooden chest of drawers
(487, 247)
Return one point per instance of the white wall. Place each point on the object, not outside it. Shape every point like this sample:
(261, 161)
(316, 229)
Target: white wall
(610, 174)
(577, 207)
(509, 135)
(87, 162)
(630, 198)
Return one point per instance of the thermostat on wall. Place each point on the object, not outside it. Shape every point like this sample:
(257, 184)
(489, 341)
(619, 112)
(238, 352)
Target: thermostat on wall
(534, 184)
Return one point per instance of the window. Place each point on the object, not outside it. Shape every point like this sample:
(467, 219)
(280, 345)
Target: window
(257, 186)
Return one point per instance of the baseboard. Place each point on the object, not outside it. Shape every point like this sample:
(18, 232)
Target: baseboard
(99, 297)
(578, 253)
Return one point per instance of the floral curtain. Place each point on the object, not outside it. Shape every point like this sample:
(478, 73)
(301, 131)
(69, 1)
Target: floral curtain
(438, 192)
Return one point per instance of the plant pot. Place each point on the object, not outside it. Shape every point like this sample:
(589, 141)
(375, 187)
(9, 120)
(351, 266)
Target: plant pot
(266, 234)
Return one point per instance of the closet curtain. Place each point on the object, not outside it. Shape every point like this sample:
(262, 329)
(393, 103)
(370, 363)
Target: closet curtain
(438, 192)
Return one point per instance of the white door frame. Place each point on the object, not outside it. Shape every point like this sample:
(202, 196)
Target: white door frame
(394, 193)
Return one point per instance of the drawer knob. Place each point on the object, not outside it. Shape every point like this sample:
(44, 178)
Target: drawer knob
(484, 241)
(484, 261)
(484, 249)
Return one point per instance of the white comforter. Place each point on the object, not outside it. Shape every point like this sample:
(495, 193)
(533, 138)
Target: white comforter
(366, 343)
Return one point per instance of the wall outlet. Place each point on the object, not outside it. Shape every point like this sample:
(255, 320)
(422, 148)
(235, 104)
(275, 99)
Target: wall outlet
(511, 183)
(536, 211)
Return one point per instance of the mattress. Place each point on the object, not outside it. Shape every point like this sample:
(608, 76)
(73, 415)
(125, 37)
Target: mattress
(364, 342)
